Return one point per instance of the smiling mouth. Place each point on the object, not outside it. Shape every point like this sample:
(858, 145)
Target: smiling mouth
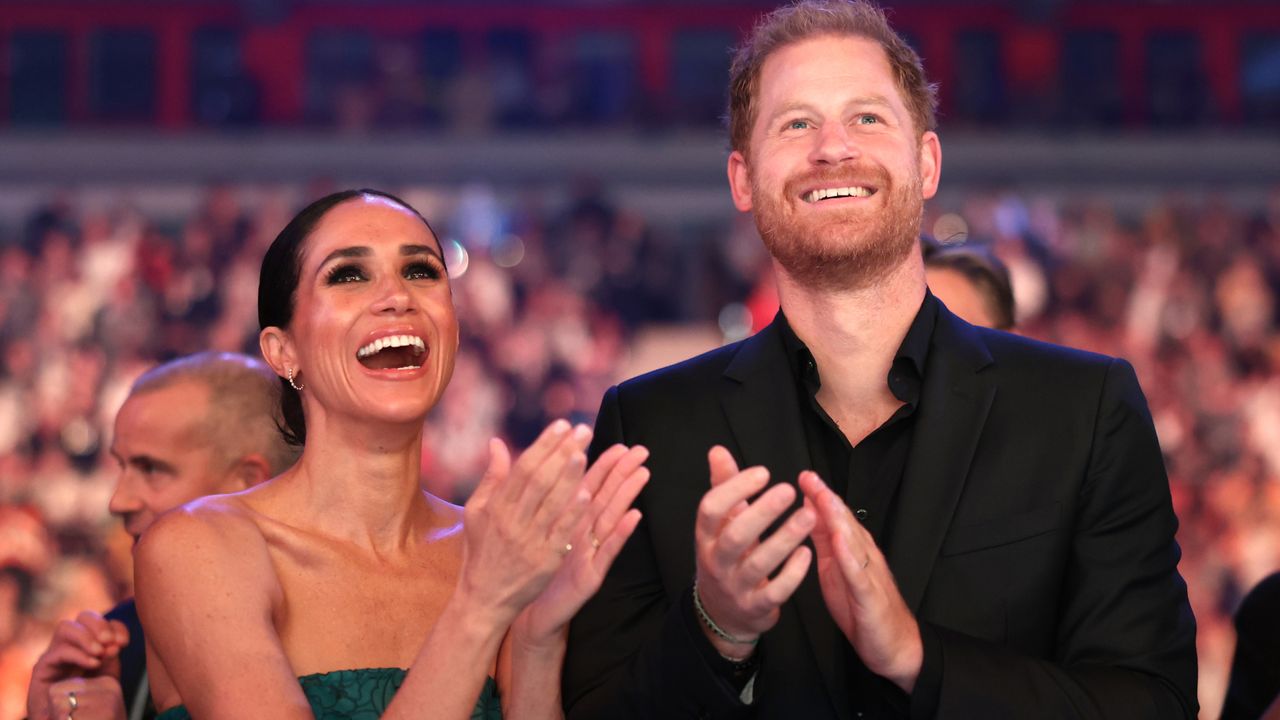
(394, 352)
(821, 194)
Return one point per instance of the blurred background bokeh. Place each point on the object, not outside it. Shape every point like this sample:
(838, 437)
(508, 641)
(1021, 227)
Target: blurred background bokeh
(1123, 158)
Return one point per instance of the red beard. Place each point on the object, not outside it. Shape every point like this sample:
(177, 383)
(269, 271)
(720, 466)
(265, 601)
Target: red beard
(840, 250)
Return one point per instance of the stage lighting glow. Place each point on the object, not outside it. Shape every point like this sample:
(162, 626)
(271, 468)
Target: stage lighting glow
(457, 257)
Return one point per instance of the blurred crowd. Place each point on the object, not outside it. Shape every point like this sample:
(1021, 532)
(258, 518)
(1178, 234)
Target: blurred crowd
(559, 299)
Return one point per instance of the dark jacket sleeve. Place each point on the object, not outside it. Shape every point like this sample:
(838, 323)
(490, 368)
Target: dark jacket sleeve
(1125, 638)
(632, 653)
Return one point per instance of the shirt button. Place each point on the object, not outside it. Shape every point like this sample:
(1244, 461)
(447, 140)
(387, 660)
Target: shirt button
(860, 513)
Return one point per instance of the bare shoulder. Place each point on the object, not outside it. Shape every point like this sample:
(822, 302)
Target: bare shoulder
(206, 527)
(211, 541)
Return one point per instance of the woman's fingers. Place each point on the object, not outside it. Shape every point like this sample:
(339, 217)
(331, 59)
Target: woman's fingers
(566, 504)
(603, 470)
(616, 505)
(527, 466)
(606, 477)
(494, 475)
(541, 483)
(611, 544)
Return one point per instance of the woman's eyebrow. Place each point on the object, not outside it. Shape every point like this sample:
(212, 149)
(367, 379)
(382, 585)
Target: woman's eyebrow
(419, 250)
(346, 252)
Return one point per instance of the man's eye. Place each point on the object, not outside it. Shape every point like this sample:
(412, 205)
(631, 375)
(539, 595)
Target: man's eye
(798, 125)
(421, 271)
(868, 120)
(344, 274)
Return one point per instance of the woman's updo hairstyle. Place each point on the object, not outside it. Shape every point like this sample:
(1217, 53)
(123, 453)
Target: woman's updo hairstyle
(278, 285)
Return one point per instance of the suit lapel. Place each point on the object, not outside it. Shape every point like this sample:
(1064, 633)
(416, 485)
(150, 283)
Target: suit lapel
(763, 412)
(953, 409)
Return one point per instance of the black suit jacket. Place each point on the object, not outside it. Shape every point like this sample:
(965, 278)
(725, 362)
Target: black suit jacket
(1033, 538)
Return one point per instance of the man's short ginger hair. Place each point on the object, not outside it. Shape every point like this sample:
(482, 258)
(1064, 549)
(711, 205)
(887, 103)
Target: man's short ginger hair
(816, 18)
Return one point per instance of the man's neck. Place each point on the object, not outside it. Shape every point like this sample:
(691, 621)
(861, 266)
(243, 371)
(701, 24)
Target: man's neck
(854, 335)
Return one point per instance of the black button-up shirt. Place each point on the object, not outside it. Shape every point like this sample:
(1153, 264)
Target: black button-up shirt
(866, 475)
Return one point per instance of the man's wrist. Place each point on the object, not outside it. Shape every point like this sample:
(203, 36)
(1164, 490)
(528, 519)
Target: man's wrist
(912, 660)
(736, 648)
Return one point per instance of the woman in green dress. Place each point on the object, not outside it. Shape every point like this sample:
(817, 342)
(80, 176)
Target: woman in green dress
(340, 588)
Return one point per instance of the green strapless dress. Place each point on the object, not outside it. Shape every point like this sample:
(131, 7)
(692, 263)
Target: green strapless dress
(362, 695)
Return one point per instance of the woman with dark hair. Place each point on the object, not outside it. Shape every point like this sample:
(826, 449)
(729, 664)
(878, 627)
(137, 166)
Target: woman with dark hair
(340, 588)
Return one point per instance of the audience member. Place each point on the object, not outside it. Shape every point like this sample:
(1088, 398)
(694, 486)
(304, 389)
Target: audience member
(195, 426)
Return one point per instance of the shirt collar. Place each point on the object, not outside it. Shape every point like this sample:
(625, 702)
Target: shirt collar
(913, 353)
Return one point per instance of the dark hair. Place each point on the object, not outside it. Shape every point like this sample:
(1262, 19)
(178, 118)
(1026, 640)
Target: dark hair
(981, 267)
(807, 19)
(278, 286)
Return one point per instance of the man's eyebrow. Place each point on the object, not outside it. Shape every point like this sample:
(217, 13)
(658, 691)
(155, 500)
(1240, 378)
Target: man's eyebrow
(872, 99)
(862, 100)
(789, 108)
(144, 459)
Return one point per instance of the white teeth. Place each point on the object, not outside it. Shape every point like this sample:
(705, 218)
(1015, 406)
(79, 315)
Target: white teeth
(822, 194)
(392, 341)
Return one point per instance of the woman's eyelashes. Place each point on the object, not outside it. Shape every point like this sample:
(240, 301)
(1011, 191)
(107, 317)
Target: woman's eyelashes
(412, 270)
(344, 274)
(422, 270)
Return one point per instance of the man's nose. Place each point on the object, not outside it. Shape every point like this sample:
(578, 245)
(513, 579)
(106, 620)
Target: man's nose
(124, 500)
(834, 144)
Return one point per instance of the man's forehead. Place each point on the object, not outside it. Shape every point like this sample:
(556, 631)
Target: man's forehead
(830, 59)
(169, 412)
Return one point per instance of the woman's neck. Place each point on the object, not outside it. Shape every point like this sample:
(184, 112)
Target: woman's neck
(361, 482)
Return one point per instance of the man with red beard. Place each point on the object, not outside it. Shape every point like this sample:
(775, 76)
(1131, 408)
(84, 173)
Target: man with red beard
(872, 509)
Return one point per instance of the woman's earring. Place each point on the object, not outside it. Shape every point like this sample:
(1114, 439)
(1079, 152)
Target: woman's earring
(293, 384)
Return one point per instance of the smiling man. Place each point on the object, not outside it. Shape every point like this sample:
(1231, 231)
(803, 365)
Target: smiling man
(195, 426)
(931, 519)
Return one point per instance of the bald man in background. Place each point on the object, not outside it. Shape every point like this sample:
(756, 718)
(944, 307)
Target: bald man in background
(199, 425)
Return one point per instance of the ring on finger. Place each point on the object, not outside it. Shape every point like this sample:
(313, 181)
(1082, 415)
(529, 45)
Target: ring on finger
(72, 703)
(568, 548)
(595, 542)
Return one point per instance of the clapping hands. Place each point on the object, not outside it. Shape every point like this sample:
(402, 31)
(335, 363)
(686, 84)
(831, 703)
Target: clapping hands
(542, 532)
(613, 481)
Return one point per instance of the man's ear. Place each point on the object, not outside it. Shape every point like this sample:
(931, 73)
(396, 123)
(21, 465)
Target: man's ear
(277, 350)
(740, 181)
(247, 472)
(930, 164)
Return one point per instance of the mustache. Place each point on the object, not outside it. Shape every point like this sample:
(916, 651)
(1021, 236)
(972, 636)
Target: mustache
(873, 176)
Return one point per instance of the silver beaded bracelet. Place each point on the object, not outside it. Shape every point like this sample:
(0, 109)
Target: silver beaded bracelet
(719, 631)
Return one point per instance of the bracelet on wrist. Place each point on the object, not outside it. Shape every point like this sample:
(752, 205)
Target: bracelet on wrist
(713, 627)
